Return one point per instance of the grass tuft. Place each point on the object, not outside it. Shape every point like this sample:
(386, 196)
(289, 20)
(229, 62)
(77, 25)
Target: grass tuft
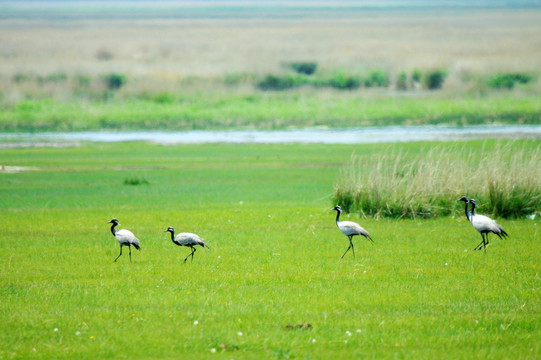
(503, 179)
(134, 181)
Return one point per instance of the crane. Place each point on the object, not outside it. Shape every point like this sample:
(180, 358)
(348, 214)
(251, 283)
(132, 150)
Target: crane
(484, 225)
(124, 238)
(187, 239)
(350, 229)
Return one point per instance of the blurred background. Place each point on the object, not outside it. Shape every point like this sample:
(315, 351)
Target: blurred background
(151, 59)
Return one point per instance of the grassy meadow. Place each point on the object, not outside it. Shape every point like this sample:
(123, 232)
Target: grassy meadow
(272, 285)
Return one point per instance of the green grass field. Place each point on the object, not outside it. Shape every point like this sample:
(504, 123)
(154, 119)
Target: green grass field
(419, 292)
(266, 111)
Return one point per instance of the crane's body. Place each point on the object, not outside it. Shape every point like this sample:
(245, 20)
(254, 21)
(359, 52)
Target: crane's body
(187, 239)
(483, 224)
(124, 238)
(350, 229)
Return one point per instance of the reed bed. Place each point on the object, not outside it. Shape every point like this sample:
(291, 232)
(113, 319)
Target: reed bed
(504, 179)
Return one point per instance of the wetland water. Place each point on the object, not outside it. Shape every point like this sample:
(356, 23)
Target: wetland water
(386, 134)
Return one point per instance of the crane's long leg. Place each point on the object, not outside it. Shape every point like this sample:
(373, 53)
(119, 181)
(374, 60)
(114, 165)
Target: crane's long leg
(190, 254)
(119, 254)
(481, 244)
(129, 247)
(351, 244)
(349, 247)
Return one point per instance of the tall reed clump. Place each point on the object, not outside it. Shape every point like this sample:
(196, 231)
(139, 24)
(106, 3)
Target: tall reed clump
(503, 179)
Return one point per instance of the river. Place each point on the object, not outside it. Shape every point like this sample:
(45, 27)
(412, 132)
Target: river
(386, 134)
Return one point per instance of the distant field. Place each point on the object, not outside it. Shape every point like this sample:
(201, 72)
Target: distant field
(191, 66)
(196, 40)
(271, 286)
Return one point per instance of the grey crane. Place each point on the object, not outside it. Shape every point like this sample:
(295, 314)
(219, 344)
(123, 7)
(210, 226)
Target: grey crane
(484, 225)
(124, 238)
(187, 239)
(350, 229)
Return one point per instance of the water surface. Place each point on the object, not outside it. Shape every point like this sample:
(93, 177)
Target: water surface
(386, 134)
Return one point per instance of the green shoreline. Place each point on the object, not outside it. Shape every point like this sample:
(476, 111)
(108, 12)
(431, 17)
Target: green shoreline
(264, 111)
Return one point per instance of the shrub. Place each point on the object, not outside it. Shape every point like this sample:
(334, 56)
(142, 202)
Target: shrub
(402, 81)
(275, 82)
(115, 81)
(344, 82)
(305, 68)
(134, 181)
(508, 80)
(433, 80)
(377, 78)
(416, 76)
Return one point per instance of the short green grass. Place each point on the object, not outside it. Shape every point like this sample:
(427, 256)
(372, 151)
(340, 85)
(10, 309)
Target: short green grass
(419, 292)
(290, 109)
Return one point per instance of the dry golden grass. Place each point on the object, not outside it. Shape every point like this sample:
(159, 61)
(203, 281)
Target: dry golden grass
(461, 40)
(504, 177)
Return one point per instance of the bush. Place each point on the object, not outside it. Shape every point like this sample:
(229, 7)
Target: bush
(305, 68)
(275, 82)
(433, 80)
(402, 81)
(377, 78)
(134, 181)
(508, 81)
(416, 76)
(344, 82)
(115, 81)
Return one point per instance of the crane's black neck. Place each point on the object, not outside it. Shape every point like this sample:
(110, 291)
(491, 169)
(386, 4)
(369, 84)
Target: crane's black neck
(113, 230)
(172, 235)
(466, 210)
(472, 209)
(338, 216)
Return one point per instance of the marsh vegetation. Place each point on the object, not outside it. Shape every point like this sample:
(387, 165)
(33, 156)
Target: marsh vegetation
(427, 183)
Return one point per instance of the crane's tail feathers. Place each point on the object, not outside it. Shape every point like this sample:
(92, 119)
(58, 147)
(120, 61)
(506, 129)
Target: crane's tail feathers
(137, 247)
(504, 234)
(208, 247)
